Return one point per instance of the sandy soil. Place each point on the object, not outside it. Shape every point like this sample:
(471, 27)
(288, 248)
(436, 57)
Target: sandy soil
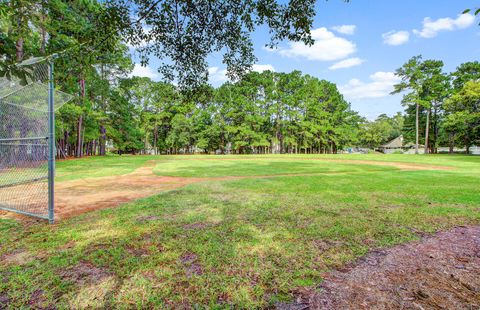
(442, 271)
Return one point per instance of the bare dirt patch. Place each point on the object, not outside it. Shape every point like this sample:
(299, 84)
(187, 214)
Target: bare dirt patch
(148, 218)
(93, 285)
(191, 264)
(398, 165)
(88, 194)
(84, 273)
(38, 301)
(17, 257)
(79, 196)
(4, 300)
(442, 271)
(198, 225)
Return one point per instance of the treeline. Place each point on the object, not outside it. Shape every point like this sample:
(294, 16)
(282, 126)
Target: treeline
(263, 113)
(441, 109)
(383, 129)
(91, 60)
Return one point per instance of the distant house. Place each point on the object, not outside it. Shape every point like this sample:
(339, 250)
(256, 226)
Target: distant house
(397, 146)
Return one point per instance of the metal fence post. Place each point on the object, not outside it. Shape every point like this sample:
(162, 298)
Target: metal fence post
(51, 144)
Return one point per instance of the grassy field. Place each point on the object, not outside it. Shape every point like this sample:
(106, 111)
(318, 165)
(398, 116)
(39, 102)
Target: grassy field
(243, 243)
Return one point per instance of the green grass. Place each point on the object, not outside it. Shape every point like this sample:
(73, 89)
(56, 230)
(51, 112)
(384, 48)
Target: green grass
(256, 166)
(91, 167)
(19, 175)
(243, 243)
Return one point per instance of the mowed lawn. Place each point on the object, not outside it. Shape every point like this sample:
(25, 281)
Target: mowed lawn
(230, 242)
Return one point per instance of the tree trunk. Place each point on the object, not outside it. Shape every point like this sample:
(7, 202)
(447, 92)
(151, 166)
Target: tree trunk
(155, 138)
(416, 128)
(79, 137)
(451, 142)
(435, 129)
(43, 32)
(19, 49)
(427, 129)
(80, 121)
(102, 141)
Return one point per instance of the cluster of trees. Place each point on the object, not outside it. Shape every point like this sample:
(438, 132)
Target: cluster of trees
(380, 131)
(441, 108)
(92, 59)
(262, 113)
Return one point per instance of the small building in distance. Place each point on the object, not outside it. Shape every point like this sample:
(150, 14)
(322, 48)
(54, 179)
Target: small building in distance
(397, 146)
(394, 146)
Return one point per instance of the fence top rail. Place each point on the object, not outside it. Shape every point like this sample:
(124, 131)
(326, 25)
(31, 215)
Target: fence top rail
(23, 139)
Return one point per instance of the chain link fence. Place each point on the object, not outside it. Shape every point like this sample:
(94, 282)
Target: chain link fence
(27, 105)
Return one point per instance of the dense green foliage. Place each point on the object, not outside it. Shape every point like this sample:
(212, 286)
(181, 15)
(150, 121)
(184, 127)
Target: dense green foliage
(183, 33)
(463, 115)
(263, 113)
(426, 89)
(381, 131)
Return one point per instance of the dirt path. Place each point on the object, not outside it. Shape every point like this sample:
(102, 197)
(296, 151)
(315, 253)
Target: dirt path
(442, 271)
(398, 165)
(88, 194)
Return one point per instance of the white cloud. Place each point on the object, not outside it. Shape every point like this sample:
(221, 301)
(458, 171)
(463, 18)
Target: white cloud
(327, 47)
(380, 85)
(396, 37)
(261, 68)
(347, 63)
(215, 74)
(141, 71)
(345, 29)
(431, 28)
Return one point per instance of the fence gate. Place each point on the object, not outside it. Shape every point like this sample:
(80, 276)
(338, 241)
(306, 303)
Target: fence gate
(28, 102)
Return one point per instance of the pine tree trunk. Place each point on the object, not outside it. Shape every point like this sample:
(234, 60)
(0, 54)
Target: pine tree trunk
(427, 129)
(451, 142)
(79, 152)
(435, 129)
(417, 125)
(102, 140)
(155, 138)
(79, 137)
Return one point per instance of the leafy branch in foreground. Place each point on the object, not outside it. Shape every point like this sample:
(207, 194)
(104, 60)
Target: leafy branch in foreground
(476, 12)
(184, 33)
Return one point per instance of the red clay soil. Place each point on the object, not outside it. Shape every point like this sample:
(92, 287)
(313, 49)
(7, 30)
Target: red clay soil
(442, 271)
(84, 195)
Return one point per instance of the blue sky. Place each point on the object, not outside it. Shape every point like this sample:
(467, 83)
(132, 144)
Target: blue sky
(360, 44)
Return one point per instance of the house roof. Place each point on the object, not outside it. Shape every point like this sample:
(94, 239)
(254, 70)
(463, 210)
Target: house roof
(395, 143)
